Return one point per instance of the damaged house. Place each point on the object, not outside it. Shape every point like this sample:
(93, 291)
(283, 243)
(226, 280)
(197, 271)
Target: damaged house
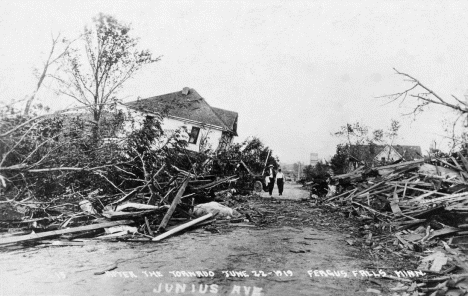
(382, 154)
(207, 127)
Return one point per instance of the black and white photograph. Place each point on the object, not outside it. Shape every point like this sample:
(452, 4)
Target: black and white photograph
(233, 148)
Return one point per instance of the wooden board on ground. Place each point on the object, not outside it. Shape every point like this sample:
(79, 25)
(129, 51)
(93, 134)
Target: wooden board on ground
(125, 215)
(41, 235)
(443, 231)
(182, 227)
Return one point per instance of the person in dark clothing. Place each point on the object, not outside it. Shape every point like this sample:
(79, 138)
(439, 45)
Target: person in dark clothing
(280, 181)
(266, 178)
(272, 175)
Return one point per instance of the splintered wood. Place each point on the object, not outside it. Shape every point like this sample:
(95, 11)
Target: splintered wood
(408, 188)
(423, 206)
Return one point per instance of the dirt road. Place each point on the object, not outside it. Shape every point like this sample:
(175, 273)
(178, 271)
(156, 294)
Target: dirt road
(291, 192)
(300, 257)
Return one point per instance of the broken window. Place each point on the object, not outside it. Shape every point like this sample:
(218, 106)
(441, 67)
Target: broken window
(194, 135)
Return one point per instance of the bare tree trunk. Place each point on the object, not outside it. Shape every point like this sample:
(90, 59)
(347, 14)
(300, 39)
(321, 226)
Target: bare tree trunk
(47, 64)
(33, 96)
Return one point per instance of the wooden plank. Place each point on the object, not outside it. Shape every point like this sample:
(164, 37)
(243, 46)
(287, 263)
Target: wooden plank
(394, 204)
(113, 235)
(456, 163)
(182, 227)
(450, 165)
(404, 190)
(422, 196)
(443, 179)
(42, 235)
(125, 215)
(443, 231)
(150, 231)
(247, 168)
(174, 204)
(360, 194)
(341, 195)
(419, 189)
(137, 206)
(464, 161)
(370, 209)
(266, 161)
(390, 187)
(453, 197)
(67, 243)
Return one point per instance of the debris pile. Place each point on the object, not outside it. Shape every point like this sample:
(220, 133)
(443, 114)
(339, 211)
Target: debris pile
(414, 208)
(71, 174)
(169, 201)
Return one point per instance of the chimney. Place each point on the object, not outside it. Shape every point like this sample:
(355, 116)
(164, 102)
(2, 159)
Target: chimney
(185, 91)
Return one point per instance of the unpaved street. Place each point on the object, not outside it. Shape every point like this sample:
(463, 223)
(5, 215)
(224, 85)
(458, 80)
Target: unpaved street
(291, 192)
(270, 260)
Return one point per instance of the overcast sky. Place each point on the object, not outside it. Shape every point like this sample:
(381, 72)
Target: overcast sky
(294, 71)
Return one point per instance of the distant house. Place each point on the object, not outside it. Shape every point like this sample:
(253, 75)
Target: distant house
(206, 126)
(382, 154)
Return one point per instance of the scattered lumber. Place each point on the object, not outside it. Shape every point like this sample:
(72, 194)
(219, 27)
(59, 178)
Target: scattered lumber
(426, 202)
(42, 235)
(182, 227)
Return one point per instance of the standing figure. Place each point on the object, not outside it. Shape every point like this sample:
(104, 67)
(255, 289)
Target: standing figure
(280, 181)
(272, 176)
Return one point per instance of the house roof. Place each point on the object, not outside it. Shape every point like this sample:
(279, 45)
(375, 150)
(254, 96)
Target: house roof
(188, 105)
(409, 152)
(368, 152)
(228, 117)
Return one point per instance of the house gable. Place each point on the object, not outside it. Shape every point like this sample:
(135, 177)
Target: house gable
(388, 153)
(228, 117)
